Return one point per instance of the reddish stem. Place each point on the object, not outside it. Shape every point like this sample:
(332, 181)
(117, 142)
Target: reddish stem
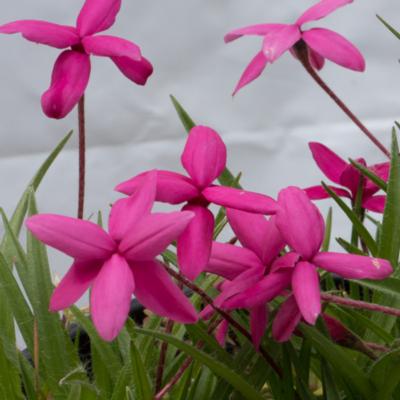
(82, 156)
(163, 355)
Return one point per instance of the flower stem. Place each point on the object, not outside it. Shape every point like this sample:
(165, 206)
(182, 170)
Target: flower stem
(82, 156)
(163, 355)
(302, 54)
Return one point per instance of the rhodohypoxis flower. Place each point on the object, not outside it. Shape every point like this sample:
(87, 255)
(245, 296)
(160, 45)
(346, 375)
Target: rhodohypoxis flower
(204, 158)
(344, 174)
(302, 227)
(321, 43)
(119, 263)
(72, 68)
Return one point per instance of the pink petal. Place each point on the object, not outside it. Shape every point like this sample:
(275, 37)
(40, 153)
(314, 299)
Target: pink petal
(335, 47)
(172, 188)
(204, 156)
(258, 323)
(68, 83)
(111, 46)
(353, 266)
(252, 71)
(287, 261)
(375, 203)
(125, 213)
(153, 234)
(300, 222)
(229, 261)
(156, 291)
(194, 244)
(206, 313)
(382, 170)
(321, 10)
(350, 178)
(74, 284)
(286, 320)
(221, 332)
(260, 30)
(77, 238)
(136, 71)
(305, 285)
(240, 199)
(110, 298)
(328, 162)
(257, 233)
(97, 15)
(43, 32)
(318, 192)
(316, 60)
(279, 41)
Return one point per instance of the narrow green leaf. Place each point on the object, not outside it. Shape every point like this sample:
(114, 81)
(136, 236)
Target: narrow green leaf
(140, 377)
(370, 175)
(328, 231)
(391, 29)
(349, 247)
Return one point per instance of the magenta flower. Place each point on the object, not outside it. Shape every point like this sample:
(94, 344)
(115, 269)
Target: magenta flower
(119, 263)
(321, 43)
(204, 158)
(344, 174)
(72, 68)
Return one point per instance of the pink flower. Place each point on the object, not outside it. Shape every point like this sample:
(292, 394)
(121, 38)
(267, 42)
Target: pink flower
(119, 263)
(344, 174)
(204, 158)
(72, 68)
(321, 43)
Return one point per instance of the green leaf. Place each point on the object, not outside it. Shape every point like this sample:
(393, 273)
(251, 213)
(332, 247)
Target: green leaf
(391, 29)
(141, 379)
(328, 231)
(367, 173)
(349, 247)
(389, 286)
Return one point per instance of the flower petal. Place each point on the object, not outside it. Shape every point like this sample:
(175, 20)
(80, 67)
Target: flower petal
(68, 83)
(335, 47)
(43, 32)
(194, 244)
(240, 199)
(111, 46)
(287, 261)
(258, 323)
(156, 291)
(74, 284)
(286, 320)
(316, 60)
(300, 222)
(382, 170)
(77, 238)
(256, 233)
(375, 203)
(353, 266)
(280, 40)
(204, 156)
(318, 192)
(350, 178)
(221, 332)
(136, 71)
(172, 188)
(125, 213)
(321, 10)
(153, 234)
(260, 30)
(97, 15)
(252, 71)
(305, 285)
(110, 298)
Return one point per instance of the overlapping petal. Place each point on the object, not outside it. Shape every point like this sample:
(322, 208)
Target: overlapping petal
(258, 323)
(375, 203)
(316, 60)
(136, 71)
(318, 192)
(286, 320)
(221, 332)
(259, 29)
(321, 10)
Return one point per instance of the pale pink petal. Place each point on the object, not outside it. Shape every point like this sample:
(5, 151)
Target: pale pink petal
(136, 71)
(258, 323)
(305, 285)
(221, 332)
(68, 83)
(229, 261)
(286, 320)
(43, 32)
(318, 192)
(204, 156)
(110, 298)
(156, 291)
(328, 162)
(194, 244)
(97, 15)
(125, 213)
(353, 266)
(153, 234)
(375, 203)
(257, 233)
(335, 48)
(300, 222)
(260, 30)
(316, 60)
(240, 199)
(288, 261)
(111, 46)
(74, 284)
(279, 41)
(252, 71)
(77, 238)
(172, 188)
(321, 10)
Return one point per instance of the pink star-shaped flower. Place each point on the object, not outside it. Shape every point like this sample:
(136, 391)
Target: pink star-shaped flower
(72, 68)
